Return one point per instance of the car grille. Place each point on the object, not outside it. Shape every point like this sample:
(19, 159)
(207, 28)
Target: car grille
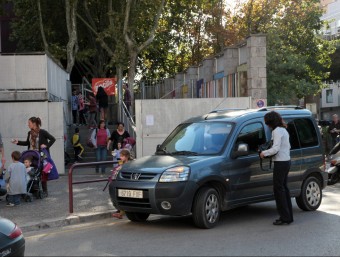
(128, 175)
(134, 202)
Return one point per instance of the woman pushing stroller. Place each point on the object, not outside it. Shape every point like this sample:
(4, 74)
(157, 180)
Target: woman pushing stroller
(37, 139)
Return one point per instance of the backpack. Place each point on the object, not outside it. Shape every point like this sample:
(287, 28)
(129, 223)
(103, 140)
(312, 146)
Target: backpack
(89, 141)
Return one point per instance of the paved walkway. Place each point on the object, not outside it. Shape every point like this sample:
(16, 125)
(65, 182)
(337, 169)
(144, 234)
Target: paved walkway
(89, 203)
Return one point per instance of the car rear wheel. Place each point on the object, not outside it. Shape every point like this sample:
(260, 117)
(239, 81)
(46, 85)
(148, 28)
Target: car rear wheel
(311, 194)
(137, 216)
(206, 208)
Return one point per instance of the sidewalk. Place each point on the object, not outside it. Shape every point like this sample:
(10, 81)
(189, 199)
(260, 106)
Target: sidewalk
(89, 203)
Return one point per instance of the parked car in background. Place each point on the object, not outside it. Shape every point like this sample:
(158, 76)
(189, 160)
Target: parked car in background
(12, 242)
(211, 163)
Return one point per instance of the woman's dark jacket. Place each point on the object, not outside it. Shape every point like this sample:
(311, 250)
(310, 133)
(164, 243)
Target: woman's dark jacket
(45, 138)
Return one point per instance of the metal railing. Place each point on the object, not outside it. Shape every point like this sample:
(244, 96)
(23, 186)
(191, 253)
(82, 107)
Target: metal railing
(71, 182)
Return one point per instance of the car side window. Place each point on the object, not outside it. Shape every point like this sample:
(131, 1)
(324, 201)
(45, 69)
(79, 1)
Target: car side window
(293, 136)
(253, 135)
(306, 132)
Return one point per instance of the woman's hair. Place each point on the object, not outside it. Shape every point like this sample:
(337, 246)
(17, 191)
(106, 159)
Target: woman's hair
(36, 121)
(101, 91)
(120, 123)
(101, 121)
(274, 120)
(16, 155)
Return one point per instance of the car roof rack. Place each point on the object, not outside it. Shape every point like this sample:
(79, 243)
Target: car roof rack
(228, 109)
(280, 107)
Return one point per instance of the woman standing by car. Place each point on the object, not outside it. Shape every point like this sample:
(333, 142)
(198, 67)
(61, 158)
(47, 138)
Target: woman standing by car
(99, 138)
(37, 139)
(281, 150)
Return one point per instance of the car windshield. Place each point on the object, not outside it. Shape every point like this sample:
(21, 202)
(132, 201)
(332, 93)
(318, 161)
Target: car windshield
(196, 139)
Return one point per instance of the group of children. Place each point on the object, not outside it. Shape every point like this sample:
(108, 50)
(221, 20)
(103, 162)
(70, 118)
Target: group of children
(79, 149)
(15, 179)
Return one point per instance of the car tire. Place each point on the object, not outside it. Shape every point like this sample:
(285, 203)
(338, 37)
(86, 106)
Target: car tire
(137, 216)
(311, 194)
(206, 208)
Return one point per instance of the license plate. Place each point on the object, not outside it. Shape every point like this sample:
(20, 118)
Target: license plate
(130, 193)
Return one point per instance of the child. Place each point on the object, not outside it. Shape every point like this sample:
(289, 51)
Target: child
(116, 154)
(29, 169)
(92, 112)
(16, 180)
(78, 148)
(124, 158)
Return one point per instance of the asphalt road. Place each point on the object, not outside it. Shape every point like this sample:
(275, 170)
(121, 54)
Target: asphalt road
(246, 231)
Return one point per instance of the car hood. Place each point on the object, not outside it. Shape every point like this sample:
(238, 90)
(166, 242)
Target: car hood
(159, 163)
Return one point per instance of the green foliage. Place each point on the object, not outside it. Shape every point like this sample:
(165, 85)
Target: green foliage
(188, 32)
(297, 57)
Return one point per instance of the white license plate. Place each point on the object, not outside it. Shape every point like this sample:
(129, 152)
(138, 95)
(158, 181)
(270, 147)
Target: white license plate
(130, 193)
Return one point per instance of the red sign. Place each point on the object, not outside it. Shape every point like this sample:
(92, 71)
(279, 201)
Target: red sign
(109, 85)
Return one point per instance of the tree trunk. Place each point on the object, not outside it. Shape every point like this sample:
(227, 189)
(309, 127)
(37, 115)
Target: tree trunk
(120, 91)
(71, 22)
(131, 77)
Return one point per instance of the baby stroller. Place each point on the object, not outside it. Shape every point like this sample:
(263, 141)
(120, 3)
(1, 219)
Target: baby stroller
(34, 185)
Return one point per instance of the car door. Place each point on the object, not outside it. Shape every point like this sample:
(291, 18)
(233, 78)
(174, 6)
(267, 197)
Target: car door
(248, 179)
(294, 175)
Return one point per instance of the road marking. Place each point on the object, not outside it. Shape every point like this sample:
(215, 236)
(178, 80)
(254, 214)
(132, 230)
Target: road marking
(85, 226)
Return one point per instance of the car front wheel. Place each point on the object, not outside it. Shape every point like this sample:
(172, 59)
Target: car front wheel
(311, 195)
(137, 216)
(206, 208)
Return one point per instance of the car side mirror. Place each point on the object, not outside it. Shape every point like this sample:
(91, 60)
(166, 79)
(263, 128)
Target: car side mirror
(242, 150)
(158, 147)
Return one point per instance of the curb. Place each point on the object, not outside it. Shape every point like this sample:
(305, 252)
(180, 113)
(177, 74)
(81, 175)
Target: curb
(66, 221)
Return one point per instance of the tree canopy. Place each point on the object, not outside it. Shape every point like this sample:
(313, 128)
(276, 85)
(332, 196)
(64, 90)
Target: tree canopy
(160, 38)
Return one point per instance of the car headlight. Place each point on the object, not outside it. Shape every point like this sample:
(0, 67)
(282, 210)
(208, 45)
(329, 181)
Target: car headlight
(176, 174)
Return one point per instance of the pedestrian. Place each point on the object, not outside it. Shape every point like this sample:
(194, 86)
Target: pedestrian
(81, 108)
(281, 151)
(3, 190)
(74, 106)
(77, 146)
(99, 138)
(16, 180)
(116, 154)
(29, 168)
(118, 135)
(103, 102)
(127, 97)
(2, 150)
(37, 139)
(92, 121)
(124, 158)
(334, 129)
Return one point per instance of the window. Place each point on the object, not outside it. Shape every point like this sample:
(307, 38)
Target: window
(201, 137)
(306, 132)
(293, 137)
(253, 135)
(329, 96)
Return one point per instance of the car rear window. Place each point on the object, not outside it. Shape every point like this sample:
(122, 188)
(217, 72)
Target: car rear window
(306, 132)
